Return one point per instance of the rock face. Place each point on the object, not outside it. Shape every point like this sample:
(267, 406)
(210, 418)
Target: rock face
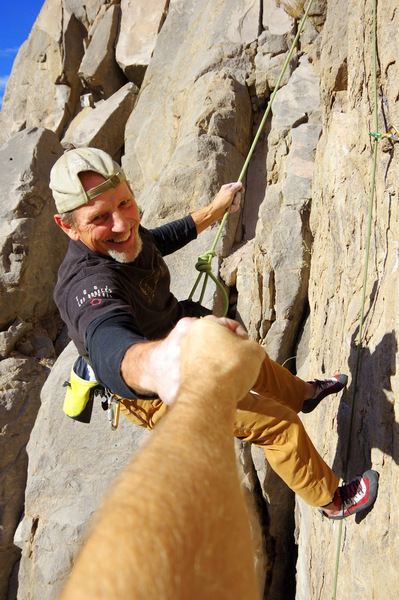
(28, 272)
(45, 74)
(83, 459)
(176, 91)
(103, 126)
(138, 34)
(339, 221)
(18, 410)
(212, 122)
(27, 231)
(98, 70)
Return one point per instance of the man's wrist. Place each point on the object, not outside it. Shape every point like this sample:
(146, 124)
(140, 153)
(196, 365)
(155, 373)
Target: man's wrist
(135, 369)
(204, 217)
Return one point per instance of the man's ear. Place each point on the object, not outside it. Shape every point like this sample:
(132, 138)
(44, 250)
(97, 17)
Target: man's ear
(67, 228)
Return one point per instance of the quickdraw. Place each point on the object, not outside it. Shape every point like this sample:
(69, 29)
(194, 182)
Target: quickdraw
(392, 133)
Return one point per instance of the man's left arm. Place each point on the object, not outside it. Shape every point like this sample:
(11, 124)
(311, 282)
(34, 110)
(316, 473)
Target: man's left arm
(172, 236)
(229, 194)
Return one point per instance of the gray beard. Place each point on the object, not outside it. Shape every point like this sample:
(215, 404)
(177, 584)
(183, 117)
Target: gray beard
(120, 257)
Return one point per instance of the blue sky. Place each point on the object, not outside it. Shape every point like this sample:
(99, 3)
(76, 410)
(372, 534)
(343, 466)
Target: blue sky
(17, 18)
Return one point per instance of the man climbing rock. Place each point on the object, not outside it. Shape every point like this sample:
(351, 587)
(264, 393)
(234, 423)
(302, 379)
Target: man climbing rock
(113, 293)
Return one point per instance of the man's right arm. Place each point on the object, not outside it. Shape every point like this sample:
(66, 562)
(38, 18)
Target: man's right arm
(154, 367)
(130, 366)
(108, 339)
(144, 368)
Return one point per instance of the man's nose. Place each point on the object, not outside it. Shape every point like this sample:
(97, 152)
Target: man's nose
(119, 222)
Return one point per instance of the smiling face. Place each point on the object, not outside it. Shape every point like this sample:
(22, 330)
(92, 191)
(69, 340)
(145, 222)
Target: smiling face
(109, 223)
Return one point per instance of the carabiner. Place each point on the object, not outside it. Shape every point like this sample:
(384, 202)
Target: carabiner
(113, 412)
(392, 133)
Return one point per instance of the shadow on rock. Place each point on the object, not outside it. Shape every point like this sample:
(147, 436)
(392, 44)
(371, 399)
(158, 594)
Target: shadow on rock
(374, 424)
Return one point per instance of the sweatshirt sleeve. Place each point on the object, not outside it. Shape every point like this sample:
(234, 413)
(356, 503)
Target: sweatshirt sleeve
(175, 235)
(107, 339)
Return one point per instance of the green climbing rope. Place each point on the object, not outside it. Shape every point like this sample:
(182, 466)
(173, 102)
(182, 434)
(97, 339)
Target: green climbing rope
(203, 264)
(359, 342)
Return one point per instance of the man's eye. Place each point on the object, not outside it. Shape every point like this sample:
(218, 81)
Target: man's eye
(96, 218)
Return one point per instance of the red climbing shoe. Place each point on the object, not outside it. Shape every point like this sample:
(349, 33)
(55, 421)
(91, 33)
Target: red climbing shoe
(323, 388)
(355, 496)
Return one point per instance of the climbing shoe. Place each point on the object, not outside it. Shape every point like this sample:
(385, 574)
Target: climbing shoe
(323, 388)
(355, 496)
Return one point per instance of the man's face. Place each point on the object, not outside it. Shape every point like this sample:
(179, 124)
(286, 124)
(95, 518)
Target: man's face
(109, 223)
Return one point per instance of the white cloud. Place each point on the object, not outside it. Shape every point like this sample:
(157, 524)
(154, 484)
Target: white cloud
(3, 81)
(8, 52)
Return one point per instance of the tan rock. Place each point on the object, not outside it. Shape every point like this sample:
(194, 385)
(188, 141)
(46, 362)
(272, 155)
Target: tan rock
(73, 125)
(138, 34)
(269, 69)
(293, 7)
(339, 222)
(29, 269)
(20, 382)
(98, 70)
(9, 338)
(272, 286)
(228, 268)
(205, 115)
(103, 126)
(88, 11)
(275, 19)
(43, 86)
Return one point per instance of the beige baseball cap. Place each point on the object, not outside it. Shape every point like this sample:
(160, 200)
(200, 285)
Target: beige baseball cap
(68, 191)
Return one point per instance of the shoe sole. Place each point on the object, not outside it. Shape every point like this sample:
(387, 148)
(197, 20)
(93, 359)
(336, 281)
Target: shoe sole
(310, 404)
(372, 477)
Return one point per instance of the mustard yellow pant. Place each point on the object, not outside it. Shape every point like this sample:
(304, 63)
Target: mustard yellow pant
(268, 417)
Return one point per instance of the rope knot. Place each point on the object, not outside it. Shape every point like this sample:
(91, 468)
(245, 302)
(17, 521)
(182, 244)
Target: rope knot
(204, 262)
(204, 266)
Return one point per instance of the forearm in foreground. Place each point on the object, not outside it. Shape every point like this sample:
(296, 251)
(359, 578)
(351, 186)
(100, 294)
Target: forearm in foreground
(173, 527)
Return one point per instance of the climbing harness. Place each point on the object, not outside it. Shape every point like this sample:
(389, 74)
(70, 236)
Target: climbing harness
(203, 264)
(376, 136)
